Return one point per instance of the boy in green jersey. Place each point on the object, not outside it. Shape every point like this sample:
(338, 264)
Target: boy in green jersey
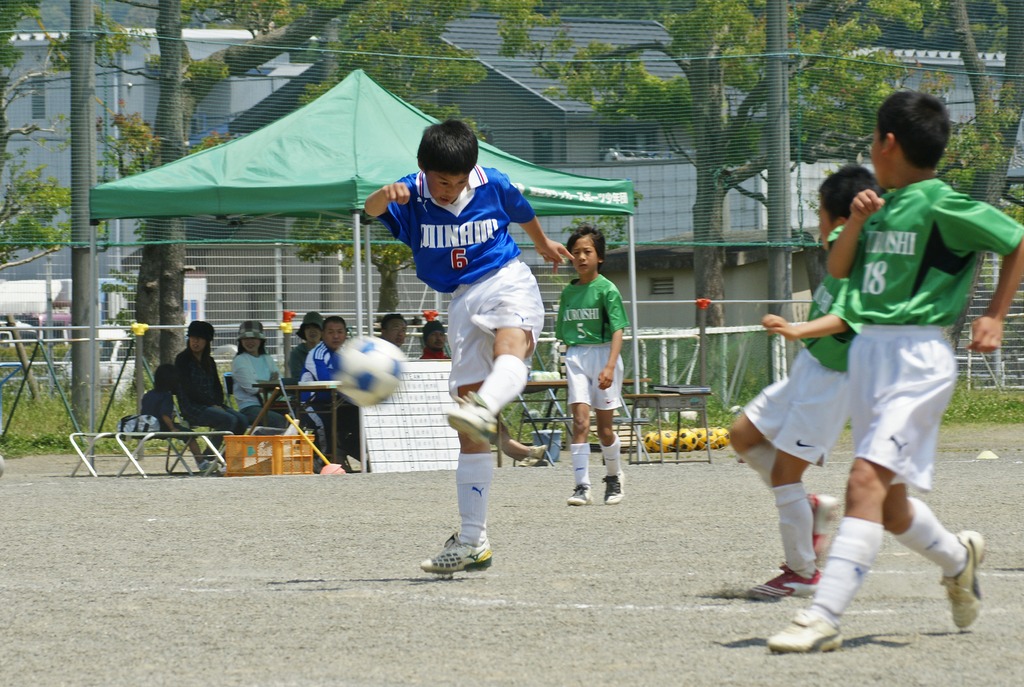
(909, 256)
(591, 320)
(795, 422)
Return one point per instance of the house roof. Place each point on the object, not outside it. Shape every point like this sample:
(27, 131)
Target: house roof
(478, 34)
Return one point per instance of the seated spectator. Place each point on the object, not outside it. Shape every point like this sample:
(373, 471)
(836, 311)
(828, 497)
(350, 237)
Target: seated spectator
(321, 365)
(199, 389)
(434, 341)
(393, 328)
(434, 349)
(252, 364)
(159, 402)
(310, 332)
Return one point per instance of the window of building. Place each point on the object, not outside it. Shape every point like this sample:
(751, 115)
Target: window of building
(663, 286)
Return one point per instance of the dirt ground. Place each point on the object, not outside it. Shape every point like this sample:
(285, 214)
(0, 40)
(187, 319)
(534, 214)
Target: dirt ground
(316, 581)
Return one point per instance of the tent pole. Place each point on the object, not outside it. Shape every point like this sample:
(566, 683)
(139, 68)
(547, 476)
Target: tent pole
(357, 262)
(368, 253)
(637, 371)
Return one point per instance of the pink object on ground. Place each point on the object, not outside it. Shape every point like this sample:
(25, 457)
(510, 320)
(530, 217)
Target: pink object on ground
(332, 469)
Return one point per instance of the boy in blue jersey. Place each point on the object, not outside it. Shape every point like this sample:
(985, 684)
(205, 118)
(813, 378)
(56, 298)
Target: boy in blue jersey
(455, 216)
(322, 364)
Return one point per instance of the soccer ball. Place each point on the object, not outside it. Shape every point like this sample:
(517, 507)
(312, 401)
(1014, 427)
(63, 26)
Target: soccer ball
(658, 442)
(700, 438)
(369, 370)
(719, 437)
(687, 440)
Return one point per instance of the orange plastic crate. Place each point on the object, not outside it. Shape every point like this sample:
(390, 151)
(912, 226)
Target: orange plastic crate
(267, 455)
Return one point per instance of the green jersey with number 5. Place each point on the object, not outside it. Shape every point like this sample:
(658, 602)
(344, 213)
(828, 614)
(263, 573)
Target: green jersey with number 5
(915, 256)
(590, 313)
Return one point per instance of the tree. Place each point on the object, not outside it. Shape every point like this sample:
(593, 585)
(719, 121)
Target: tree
(33, 202)
(320, 238)
(714, 112)
(183, 84)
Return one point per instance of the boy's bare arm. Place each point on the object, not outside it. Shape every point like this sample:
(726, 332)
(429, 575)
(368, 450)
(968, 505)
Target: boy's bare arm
(987, 330)
(843, 250)
(607, 375)
(378, 201)
(826, 325)
(552, 251)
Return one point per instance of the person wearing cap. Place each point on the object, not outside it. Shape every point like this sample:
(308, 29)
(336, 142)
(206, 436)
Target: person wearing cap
(200, 392)
(252, 364)
(433, 341)
(310, 331)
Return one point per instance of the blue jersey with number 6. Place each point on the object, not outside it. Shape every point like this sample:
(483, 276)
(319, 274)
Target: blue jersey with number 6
(457, 244)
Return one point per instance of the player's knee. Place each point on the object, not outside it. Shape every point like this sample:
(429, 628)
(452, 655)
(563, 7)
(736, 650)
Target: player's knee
(743, 435)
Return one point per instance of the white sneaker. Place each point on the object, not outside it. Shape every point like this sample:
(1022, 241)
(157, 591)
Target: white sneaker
(808, 632)
(580, 496)
(474, 419)
(457, 556)
(963, 590)
(613, 489)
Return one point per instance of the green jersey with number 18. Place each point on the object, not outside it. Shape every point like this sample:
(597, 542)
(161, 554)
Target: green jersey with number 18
(915, 256)
(590, 313)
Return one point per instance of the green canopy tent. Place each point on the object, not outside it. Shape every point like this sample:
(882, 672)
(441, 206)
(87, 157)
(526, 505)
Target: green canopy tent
(326, 158)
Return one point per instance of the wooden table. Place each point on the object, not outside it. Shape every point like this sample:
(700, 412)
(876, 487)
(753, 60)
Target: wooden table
(678, 397)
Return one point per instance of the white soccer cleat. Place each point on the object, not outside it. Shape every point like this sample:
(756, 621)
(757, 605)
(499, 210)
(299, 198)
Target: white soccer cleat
(457, 556)
(808, 632)
(963, 590)
(474, 419)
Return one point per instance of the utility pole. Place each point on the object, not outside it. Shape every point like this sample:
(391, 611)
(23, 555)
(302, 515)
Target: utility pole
(780, 266)
(83, 234)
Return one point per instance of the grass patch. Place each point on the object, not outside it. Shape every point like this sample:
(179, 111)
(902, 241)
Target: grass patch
(984, 406)
(41, 426)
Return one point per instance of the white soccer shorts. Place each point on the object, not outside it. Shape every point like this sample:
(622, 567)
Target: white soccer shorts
(901, 380)
(506, 298)
(804, 414)
(583, 364)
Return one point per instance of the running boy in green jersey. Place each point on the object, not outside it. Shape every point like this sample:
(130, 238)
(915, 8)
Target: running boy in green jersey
(795, 422)
(910, 257)
(591, 321)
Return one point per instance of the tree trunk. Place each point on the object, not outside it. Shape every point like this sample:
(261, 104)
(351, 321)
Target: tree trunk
(387, 299)
(708, 94)
(147, 299)
(160, 292)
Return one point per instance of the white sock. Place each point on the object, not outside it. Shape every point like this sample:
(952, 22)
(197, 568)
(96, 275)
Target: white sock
(853, 552)
(473, 479)
(761, 457)
(505, 382)
(928, 537)
(611, 455)
(796, 525)
(580, 463)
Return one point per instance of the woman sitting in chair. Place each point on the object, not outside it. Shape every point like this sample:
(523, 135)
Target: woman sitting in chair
(253, 364)
(200, 393)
